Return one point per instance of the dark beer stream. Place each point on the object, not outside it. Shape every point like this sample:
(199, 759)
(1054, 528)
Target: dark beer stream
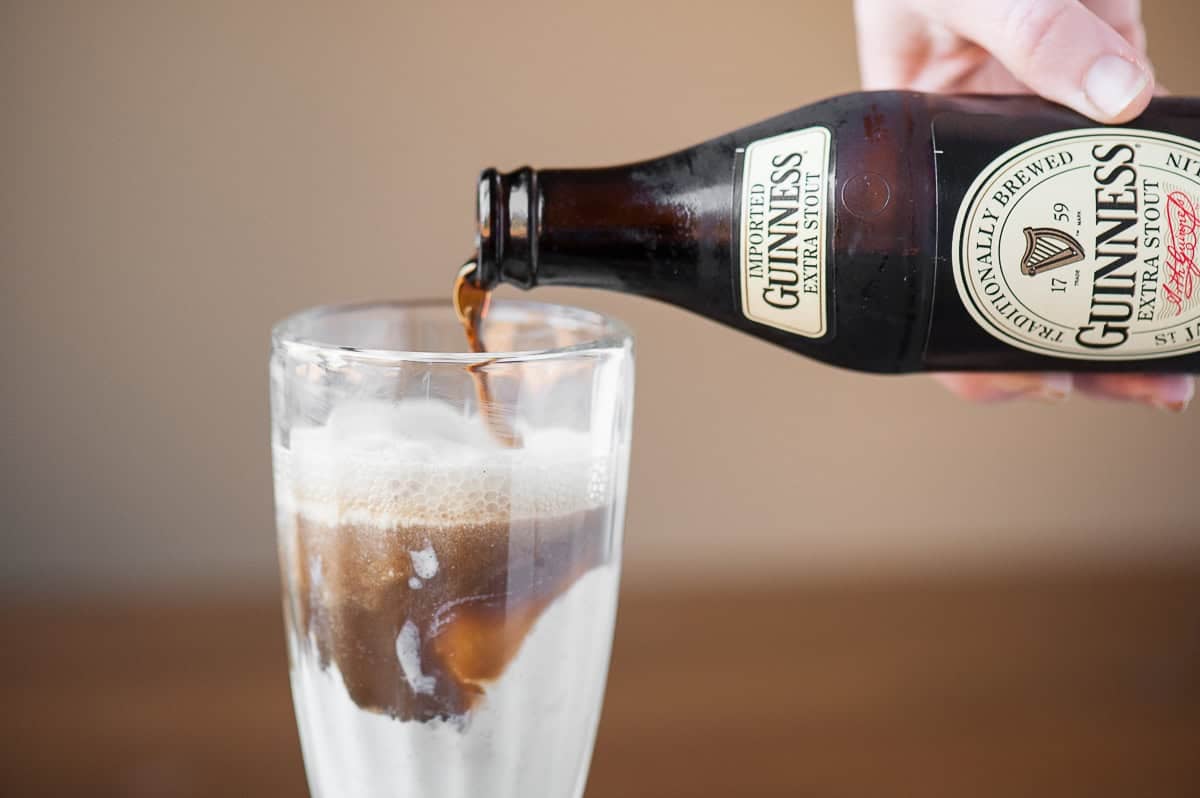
(471, 303)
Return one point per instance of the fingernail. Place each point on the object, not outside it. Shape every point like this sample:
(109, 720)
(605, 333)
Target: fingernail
(1174, 393)
(1042, 387)
(1170, 407)
(1179, 396)
(1113, 83)
(1051, 395)
(1055, 388)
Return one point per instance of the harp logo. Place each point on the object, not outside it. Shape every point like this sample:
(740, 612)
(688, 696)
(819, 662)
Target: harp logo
(1084, 244)
(1047, 248)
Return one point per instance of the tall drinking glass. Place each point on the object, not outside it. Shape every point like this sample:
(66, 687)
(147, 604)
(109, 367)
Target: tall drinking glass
(449, 598)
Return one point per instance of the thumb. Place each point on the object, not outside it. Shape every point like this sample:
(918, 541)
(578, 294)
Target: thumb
(1062, 51)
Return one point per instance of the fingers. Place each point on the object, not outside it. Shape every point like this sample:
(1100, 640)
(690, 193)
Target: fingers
(1164, 391)
(999, 387)
(1125, 17)
(1060, 49)
(892, 43)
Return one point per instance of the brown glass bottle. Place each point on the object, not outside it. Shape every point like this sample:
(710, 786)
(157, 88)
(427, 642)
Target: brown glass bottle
(931, 233)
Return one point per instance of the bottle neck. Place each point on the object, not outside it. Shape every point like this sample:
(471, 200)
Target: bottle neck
(506, 241)
(633, 228)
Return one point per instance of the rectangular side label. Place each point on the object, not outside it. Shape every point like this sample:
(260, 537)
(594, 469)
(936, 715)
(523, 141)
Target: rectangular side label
(783, 231)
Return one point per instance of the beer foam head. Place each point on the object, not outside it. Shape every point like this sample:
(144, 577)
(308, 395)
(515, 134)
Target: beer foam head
(421, 462)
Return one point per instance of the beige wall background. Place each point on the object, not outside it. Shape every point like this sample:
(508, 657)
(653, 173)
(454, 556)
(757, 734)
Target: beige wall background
(178, 175)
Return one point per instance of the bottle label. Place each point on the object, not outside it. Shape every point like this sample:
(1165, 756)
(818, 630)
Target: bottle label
(1082, 244)
(783, 231)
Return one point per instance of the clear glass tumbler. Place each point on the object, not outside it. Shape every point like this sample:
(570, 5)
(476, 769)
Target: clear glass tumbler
(449, 599)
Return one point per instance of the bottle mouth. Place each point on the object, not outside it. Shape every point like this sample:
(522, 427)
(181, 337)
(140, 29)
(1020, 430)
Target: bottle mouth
(487, 260)
(506, 228)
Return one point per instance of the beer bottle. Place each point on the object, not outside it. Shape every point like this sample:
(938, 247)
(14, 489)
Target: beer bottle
(892, 232)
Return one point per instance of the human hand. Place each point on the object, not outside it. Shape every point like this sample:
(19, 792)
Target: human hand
(1089, 56)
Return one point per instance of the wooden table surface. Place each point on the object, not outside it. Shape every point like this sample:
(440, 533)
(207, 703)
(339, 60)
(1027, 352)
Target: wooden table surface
(1049, 685)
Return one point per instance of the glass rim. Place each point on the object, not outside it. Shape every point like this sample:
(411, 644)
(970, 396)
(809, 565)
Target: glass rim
(613, 333)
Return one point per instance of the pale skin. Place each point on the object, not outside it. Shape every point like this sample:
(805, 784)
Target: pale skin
(1090, 56)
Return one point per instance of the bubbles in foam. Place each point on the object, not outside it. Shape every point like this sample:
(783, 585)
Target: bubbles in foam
(424, 462)
(411, 420)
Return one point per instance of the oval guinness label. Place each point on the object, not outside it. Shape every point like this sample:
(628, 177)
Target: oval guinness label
(1082, 244)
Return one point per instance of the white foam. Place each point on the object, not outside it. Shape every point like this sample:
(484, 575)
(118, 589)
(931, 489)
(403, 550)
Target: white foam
(425, 561)
(423, 462)
(531, 735)
(408, 652)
